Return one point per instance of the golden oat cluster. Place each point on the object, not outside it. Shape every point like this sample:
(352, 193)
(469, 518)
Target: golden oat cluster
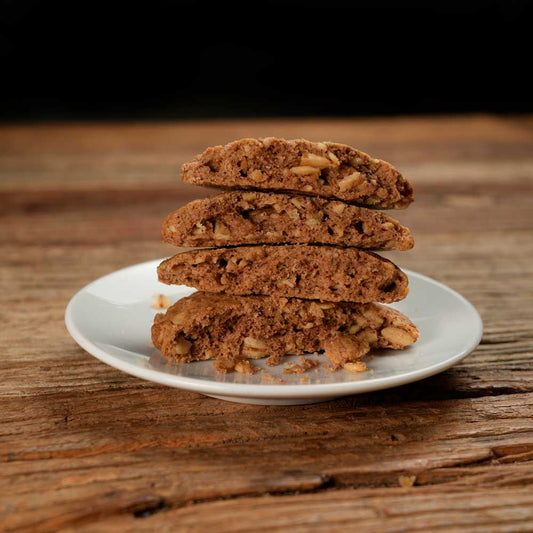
(284, 259)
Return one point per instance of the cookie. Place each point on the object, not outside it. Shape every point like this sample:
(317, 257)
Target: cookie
(324, 169)
(232, 328)
(301, 271)
(237, 218)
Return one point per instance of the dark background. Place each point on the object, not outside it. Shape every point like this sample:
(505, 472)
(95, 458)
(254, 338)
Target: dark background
(162, 59)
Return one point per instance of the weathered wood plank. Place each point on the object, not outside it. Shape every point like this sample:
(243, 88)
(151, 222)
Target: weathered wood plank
(192, 448)
(478, 509)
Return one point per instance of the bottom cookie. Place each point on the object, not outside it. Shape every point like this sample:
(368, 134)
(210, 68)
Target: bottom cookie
(232, 329)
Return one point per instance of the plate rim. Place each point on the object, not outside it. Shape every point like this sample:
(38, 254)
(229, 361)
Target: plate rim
(268, 390)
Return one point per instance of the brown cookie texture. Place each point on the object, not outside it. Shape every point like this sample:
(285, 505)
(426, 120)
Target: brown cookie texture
(251, 217)
(232, 328)
(301, 271)
(326, 169)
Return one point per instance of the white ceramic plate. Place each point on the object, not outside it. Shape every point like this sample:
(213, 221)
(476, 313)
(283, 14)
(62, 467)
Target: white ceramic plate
(111, 319)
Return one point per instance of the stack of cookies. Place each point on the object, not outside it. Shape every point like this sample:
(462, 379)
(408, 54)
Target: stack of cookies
(284, 265)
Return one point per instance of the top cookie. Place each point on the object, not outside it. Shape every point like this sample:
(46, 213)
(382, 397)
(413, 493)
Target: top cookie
(324, 169)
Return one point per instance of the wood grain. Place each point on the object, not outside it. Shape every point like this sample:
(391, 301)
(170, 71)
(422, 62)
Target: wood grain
(87, 448)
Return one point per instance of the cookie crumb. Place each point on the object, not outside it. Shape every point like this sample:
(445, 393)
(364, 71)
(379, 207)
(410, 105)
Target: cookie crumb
(355, 366)
(343, 349)
(407, 481)
(242, 367)
(245, 367)
(223, 366)
(161, 301)
(304, 366)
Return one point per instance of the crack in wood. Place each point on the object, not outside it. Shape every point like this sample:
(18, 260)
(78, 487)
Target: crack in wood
(149, 508)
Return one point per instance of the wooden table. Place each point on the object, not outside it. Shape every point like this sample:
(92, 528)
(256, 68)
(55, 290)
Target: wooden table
(88, 448)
